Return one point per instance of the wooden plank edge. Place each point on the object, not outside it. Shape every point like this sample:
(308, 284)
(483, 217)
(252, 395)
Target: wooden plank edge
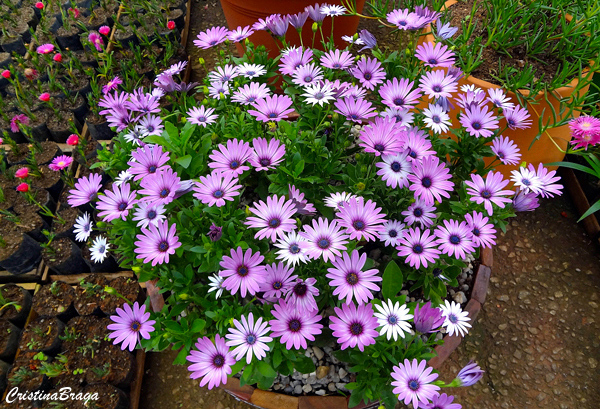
(186, 26)
(74, 279)
(138, 378)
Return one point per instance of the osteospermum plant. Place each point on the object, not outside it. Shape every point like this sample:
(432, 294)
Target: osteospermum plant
(256, 204)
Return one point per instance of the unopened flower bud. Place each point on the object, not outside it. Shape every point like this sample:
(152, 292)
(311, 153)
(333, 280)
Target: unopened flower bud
(39, 5)
(22, 173)
(360, 186)
(73, 140)
(104, 30)
(6, 74)
(214, 232)
(315, 27)
(171, 25)
(44, 97)
(201, 61)
(23, 187)
(57, 57)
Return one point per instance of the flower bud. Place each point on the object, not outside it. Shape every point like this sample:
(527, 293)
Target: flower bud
(73, 140)
(183, 296)
(171, 25)
(104, 30)
(23, 187)
(109, 290)
(360, 186)
(6, 74)
(44, 97)
(39, 5)
(201, 61)
(215, 232)
(470, 374)
(22, 173)
(315, 27)
(57, 57)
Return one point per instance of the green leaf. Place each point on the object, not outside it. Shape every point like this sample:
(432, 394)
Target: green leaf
(304, 365)
(184, 161)
(266, 370)
(355, 398)
(238, 366)
(392, 280)
(248, 374)
(277, 358)
(593, 209)
(180, 359)
(197, 326)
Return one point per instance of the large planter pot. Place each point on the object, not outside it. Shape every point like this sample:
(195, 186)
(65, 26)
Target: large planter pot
(545, 149)
(247, 12)
(273, 400)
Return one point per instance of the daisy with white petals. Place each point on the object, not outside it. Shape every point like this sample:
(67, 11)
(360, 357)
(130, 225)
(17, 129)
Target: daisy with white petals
(393, 319)
(455, 319)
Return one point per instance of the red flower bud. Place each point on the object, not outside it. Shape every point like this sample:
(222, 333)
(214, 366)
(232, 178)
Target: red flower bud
(45, 97)
(39, 5)
(73, 140)
(171, 25)
(30, 73)
(23, 187)
(57, 57)
(6, 74)
(22, 173)
(104, 30)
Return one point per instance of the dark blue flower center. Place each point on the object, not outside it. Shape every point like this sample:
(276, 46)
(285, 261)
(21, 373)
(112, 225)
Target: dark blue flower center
(277, 285)
(164, 193)
(398, 101)
(251, 99)
(294, 249)
(150, 128)
(152, 169)
(324, 244)
(308, 78)
(426, 181)
(219, 360)
(151, 214)
(396, 167)
(412, 154)
(272, 115)
(392, 319)
(453, 318)
(392, 233)
(250, 339)
(265, 162)
(275, 222)
(358, 225)
(135, 326)
(437, 88)
(234, 164)
(295, 325)
(454, 239)
(511, 121)
(319, 95)
(526, 182)
(417, 249)
(163, 246)
(413, 384)
(337, 65)
(418, 212)
(436, 119)
(432, 61)
(379, 147)
(201, 119)
(356, 328)
(250, 73)
(122, 206)
(352, 278)
(476, 125)
(486, 194)
(242, 270)
(218, 194)
(476, 232)
(300, 289)
(354, 116)
(368, 76)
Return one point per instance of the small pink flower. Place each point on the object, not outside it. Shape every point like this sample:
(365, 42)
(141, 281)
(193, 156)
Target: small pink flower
(96, 40)
(57, 57)
(22, 173)
(44, 97)
(23, 187)
(74, 11)
(6, 74)
(171, 25)
(104, 30)
(73, 140)
(45, 49)
(60, 163)
(30, 73)
(39, 5)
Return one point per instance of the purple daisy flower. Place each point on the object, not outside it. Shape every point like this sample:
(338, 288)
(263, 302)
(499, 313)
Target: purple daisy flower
(427, 318)
(354, 326)
(60, 162)
(547, 179)
(430, 180)
(442, 401)
(117, 203)
(399, 94)
(367, 39)
(211, 37)
(404, 19)
(335, 200)
(230, 159)
(419, 212)
(301, 204)
(489, 191)
(250, 93)
(18, 119)
(278, 25)
(239, 34)
(297, 20)
(354, 92)
(156, 243)
(151, 125)
(381, 137)
(218, 89)
(251, 70)
(148, 160)
(278, 281)
(394, 170)
(417, 145)
(266, 154)
(274, 218)
(435, 55)
(294, 326)
(337, 60)
(160, 188)
(455, 239)
(111, 85)
(302, 295)
(140, 101)
(307, 74)
(216, 188)
(85, 190)
(295, 59)
(129, 325)
(223, 74)
(350, 281)
(201, 116)
(369, 72)
(526, 180)
(315, 12)
(249, 338)
(355, 110)
(211, 361)
(471, 99)
(517, 118)
(499, 99)
(506, 150)
(413, 382)
(525, 201)
(393, 231)
(445, 30)
(470, 374)
(419, 249)
(436, 84)
(362, 220)
(242, 271)
(323, 239)
(272, 108)
(479, 122)
(148, 213)
(483, 232)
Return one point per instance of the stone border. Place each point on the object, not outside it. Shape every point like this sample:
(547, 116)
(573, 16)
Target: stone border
(272, 400)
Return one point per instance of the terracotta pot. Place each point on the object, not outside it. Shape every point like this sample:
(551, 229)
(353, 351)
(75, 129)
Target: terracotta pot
(247, 12)
(543, 150)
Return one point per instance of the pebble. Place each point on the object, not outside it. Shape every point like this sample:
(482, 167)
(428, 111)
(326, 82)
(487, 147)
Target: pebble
(307, 388)
(322, 372)
(331, 387)
(341, 386)
(460, 297)
(318, 352)
(298, 389)
(320, 392)
(342, 372)
(503, 297)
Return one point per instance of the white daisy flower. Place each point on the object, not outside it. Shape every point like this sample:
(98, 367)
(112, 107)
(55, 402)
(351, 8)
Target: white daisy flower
(455, 318)
(351, 40)
(99, 249)
(251, 70)
(436, 118)
(124, 176)
(333, 10)
(318, 93)
(403, 116)
(392, 233)
(393, 319)
(291, 251)
(148, 213)
(471, 87)
(216, 284)
(527, 180)
(83, 227)
(336, 199)
(135, 135)
(499, 99)
(217, 88)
